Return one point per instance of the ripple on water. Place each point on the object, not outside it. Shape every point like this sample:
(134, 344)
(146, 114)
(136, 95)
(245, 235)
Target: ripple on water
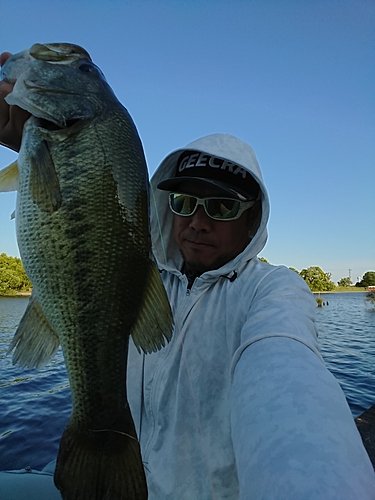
(347, 341)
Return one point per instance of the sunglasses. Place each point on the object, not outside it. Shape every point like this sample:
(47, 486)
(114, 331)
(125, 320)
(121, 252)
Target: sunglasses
(223, 209)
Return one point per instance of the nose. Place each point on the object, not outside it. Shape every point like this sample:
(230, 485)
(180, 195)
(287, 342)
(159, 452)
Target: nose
(200, 221)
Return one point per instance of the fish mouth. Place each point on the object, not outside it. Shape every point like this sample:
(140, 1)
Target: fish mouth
(49, 125)
(44, 122)
(32, 86)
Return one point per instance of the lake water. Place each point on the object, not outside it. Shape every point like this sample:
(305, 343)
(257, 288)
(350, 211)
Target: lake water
(36, 404)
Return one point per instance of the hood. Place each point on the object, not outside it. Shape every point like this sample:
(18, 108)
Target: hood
(222, 145)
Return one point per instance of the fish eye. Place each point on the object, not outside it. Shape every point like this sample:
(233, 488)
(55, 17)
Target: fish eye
(86, 67)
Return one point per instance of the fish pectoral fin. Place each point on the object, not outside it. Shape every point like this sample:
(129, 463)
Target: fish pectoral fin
(44, 183)
(100, 463)
(9, 178)
(35, 342)
(154, 323)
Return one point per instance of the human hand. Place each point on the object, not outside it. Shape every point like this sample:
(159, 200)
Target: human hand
(12, 118)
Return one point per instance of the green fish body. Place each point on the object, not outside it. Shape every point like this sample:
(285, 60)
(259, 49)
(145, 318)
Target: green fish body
(83, 234)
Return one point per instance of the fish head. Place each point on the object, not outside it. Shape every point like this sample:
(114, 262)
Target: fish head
(52, 52)
(57, 82)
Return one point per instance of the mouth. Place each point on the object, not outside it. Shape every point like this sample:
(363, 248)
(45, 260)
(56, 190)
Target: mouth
(48, 125)
(198, 244)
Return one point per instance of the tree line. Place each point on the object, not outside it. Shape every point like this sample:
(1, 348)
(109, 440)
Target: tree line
(319, 281)
(13, 278)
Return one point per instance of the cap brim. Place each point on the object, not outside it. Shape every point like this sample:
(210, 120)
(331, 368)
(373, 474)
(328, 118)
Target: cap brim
(176, 184)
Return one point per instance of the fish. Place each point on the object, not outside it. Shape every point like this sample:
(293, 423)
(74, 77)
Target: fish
(82, 226)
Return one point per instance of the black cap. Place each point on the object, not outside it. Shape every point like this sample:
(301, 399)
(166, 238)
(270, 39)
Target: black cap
(204, 168)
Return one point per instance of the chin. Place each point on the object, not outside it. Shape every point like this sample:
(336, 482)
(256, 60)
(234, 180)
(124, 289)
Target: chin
(201, 267)
(195, 265)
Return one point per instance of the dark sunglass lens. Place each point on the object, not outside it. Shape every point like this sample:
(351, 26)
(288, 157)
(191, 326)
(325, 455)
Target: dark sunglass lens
(183, 204)
(222, 208)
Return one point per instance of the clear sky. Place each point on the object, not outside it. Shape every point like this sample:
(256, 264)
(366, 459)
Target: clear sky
(293, 78)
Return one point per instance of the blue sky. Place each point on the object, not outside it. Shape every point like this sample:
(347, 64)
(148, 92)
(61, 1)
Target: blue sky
(294, 79)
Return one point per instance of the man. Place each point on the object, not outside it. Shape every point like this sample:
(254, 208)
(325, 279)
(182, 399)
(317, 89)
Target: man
(239, 404)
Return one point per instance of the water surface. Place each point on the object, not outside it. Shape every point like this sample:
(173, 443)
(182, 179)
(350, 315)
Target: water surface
(36, 404)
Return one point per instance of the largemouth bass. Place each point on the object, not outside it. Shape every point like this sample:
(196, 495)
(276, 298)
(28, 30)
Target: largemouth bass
(83, 233)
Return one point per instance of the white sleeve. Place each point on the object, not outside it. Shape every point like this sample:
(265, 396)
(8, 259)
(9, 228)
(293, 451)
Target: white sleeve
(294, 436)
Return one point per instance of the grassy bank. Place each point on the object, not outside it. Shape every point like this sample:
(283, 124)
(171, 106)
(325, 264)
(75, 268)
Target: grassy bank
(340, 289)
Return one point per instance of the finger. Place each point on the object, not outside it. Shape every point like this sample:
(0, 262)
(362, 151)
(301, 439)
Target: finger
(3, 57)
(12, 119)
(5, 88)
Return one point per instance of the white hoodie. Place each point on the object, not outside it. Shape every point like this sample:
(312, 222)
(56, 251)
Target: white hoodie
(240, 404)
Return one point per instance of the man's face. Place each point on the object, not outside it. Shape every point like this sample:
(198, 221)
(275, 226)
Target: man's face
(205, 243)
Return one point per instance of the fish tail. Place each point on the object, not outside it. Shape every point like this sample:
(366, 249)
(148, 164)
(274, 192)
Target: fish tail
(100, 465)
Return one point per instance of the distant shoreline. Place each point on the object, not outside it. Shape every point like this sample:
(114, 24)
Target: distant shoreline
(18, 294)
(28, 294)
(341, 291)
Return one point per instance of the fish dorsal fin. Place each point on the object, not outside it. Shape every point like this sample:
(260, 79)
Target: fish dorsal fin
(9, 178)
(154, 324)
(35, 341)
(44, 183)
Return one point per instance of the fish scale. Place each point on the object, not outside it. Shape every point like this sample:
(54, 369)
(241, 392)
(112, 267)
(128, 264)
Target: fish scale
(83, 233)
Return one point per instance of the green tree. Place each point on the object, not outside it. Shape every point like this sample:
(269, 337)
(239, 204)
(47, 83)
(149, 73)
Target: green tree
(368, 279)
(13, 277)
(317, 279)
(344, 282)
(294, 269)
(262, 259)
